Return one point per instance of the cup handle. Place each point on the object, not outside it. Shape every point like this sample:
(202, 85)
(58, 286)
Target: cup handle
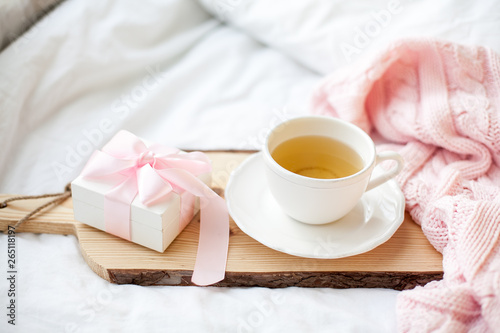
(380, 179)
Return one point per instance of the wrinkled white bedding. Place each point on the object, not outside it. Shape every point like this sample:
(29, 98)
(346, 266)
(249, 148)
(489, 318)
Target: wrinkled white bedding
(171, 72)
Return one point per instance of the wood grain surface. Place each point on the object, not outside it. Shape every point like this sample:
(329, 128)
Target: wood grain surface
(404, 261)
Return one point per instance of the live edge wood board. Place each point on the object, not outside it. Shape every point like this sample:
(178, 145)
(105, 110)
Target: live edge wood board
(403, 262)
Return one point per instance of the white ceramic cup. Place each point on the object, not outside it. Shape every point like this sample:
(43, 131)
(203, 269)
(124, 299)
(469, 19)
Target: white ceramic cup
(320, 201)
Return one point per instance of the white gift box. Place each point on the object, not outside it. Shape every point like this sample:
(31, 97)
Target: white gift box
(154, 226)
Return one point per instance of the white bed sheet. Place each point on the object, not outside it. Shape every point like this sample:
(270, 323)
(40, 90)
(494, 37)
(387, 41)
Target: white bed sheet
(170, 72)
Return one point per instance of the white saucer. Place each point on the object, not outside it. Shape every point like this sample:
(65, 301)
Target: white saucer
(375, 218)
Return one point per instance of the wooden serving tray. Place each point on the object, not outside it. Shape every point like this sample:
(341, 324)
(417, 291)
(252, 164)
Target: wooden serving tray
(404, 261)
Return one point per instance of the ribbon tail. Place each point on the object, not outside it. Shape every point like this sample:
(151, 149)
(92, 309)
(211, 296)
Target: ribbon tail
(211, 258)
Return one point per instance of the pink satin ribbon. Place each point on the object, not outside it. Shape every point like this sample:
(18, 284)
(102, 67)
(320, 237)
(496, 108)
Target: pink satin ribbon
(152, 173)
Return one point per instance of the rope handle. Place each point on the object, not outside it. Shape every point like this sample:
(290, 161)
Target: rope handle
(58, 198)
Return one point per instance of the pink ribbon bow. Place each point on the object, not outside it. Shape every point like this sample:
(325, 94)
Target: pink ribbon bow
(152, 173)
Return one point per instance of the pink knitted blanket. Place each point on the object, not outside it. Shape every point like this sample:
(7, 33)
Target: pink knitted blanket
(438, 104)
